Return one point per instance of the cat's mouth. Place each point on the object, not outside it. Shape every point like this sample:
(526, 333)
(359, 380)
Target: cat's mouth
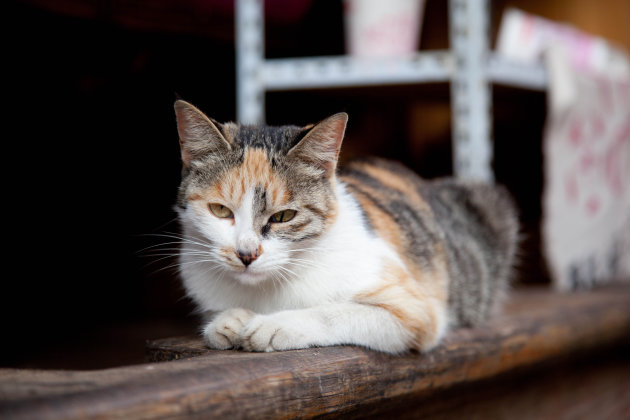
(249, 274)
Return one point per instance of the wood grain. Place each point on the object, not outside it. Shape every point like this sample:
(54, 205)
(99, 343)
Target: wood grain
(539, 326)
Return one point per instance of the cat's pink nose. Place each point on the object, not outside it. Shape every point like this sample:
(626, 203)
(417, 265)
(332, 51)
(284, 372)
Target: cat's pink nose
(247, 257)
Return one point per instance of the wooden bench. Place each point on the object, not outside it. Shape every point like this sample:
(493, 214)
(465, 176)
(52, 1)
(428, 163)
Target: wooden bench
(549, 356)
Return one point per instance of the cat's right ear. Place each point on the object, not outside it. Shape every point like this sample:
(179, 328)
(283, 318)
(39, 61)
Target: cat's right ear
(198, 134)
(320, 146)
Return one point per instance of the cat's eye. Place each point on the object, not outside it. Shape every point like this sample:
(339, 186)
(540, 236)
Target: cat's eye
(282, 216)
(220, 211)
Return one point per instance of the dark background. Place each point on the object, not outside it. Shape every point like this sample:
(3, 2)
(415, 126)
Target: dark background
(92, 159)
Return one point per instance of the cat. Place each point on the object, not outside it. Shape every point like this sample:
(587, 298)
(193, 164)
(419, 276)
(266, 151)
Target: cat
(281, 250)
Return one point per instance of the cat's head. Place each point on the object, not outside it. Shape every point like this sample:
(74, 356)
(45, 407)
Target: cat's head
(254, 196)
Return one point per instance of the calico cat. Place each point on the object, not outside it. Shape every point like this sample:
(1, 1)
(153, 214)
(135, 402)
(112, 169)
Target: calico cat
(280, 251)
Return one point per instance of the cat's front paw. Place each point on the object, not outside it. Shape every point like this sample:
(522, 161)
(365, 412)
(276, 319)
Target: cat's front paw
(267, 333)
(225, 331)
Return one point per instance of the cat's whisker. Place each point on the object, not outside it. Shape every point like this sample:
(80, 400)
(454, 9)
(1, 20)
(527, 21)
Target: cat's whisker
(165, 268)
(308, 264)
(162, 249)
(207, 259)
(177, 250)
(182, 239)
(170, 251)
(280, 280)
(161, 244)
(289, 282)
(165, 244)
(179, 265)
(282, 267)
(274, 282)
(160, 257)
(283, 280)
(160, 254)
(217, 270)
(155, 261)
(160, 227)
(312, 249)
(306, 260)
(211, 269)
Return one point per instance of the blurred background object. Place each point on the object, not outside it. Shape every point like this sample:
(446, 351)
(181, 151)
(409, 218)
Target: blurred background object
(527, 38)
(377, 29)
(586, 200)
(94, 159)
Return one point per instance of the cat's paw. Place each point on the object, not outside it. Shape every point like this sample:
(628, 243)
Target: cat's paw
(225, 331)
(269, 333)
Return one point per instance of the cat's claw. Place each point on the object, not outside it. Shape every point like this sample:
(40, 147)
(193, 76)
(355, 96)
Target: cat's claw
(225, 331)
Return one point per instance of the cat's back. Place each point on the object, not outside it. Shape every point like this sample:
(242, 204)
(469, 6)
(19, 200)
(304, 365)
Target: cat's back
(390, 196)
(472, 226)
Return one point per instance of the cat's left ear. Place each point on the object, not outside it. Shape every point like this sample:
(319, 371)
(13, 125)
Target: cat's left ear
(198, 134)
(321, 145)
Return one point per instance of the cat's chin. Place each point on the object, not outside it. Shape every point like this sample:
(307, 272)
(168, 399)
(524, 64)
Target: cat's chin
(250, 278)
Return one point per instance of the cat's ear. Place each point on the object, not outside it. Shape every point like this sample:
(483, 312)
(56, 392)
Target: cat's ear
(198, 134)
(320, 146)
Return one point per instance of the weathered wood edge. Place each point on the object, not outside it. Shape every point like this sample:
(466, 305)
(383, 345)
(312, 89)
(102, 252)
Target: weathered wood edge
(174, 348)
(317, 381)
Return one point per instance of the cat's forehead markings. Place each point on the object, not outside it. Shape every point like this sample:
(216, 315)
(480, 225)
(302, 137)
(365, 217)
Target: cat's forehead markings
(255, 170)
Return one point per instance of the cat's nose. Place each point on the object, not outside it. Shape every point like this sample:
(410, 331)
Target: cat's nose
(247, 257)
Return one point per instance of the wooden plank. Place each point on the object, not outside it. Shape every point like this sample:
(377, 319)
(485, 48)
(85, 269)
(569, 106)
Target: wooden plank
(175, 348)
(539, 326)
(595, 388)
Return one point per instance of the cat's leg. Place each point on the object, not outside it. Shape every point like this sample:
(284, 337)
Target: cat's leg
(381, 324)
(380, 327)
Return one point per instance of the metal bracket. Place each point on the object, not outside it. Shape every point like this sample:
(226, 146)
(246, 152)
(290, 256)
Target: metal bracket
(471, 96)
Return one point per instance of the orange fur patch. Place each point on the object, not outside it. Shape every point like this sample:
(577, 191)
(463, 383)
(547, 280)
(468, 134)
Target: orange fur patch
(383, 222)
(255, 170)
(416, 303)
(194, 197)
(396, 182)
